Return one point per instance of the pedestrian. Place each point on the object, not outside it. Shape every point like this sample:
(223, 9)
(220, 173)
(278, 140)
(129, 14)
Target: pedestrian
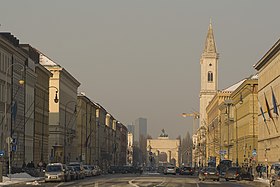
(261, 170)
(258, 168)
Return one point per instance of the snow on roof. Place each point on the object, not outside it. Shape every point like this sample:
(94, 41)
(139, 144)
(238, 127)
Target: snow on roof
(235, 86)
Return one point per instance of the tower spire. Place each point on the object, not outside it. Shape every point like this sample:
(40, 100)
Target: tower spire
(210, 45)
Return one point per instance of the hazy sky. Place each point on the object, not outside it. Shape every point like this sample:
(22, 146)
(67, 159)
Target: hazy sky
(141, 58)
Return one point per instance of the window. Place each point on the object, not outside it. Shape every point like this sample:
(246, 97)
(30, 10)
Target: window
(210, 76)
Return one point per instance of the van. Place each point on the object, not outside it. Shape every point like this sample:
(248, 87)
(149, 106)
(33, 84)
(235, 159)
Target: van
(57, 172)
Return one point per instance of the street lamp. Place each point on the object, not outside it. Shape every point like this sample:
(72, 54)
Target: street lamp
(228, 103)
(21, 82)
(65, 126)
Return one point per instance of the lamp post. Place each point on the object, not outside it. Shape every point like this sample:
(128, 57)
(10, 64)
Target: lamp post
(228, 103)
(21, 82)
(43, 117)
(65, 131)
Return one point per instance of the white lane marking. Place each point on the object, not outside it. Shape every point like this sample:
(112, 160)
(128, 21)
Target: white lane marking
(161, 182)
(59, 184)
(131, 183)
(96, 184)
(197, 185)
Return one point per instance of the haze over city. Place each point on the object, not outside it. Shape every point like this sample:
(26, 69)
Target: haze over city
(142, 58)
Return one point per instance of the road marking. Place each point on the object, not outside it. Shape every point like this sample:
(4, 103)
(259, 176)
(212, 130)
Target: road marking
(96, 184)
(131, 183)
(197, 185)
(161, 182)
(59, 184)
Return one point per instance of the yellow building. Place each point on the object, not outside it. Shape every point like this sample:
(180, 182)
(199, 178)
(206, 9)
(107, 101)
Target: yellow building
(269, 83)
(213, 146)
(245, 125)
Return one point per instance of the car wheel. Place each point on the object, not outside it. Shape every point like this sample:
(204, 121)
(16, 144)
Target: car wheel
(227, 179)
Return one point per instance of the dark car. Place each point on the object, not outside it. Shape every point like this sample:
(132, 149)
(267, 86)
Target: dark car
(115, 169)
(186, 170)
(73, 173)
(209, 173)
(237, 173)
(128, 169)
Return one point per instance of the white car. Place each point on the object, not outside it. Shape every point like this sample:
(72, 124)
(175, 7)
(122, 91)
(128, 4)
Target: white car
(57, 172)
(170, 170)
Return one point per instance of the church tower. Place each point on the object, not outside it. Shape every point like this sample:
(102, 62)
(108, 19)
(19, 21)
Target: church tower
(209, 74)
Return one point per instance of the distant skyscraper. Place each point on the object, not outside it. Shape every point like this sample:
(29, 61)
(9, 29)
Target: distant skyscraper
(140, 129)
(130, 128)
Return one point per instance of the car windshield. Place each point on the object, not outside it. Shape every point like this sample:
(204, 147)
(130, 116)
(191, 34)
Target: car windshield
(211, 169)
(77, 168)
(53, 168)
(171, 167)
(233, 169)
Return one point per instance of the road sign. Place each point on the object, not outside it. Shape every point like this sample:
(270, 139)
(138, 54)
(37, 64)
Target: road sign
(254, 152)
(2, 153)
(14, 148)
(222, 152)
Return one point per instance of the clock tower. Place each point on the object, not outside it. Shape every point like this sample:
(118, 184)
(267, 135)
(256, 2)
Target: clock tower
(209, 74)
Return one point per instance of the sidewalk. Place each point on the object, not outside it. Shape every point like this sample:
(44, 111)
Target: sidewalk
(19, 178)
(262, 180)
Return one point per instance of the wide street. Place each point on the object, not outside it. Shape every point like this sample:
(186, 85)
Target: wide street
(159, 180)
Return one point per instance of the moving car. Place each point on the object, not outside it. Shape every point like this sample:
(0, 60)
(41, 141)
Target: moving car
(209, 173)
(170, 170)
(185, 170)
(57, 172)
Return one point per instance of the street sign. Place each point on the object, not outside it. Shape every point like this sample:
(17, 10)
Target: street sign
(222, 152)
(14, 148)
(2, 153)
(254, 152)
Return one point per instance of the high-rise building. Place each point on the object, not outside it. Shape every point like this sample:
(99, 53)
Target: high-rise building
(140, 129)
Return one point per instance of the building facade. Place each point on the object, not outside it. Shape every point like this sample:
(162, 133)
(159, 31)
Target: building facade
(268, 68)
(62, 116)
(163, 151)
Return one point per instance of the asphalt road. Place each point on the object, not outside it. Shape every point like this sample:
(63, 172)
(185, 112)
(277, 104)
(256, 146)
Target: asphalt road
(144, 180)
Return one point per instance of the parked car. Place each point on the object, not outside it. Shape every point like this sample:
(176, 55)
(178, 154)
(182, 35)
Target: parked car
(115, 169)
(274, 179)
(88, 171)
(209, 173)
(79, 169)
(73, 173)
(185, 170)
(160, 169)
(170, 170)
(57, 172)
(96, 170)
(237, 173)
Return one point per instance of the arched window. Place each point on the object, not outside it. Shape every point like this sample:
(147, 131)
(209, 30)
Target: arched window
(210, 76)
